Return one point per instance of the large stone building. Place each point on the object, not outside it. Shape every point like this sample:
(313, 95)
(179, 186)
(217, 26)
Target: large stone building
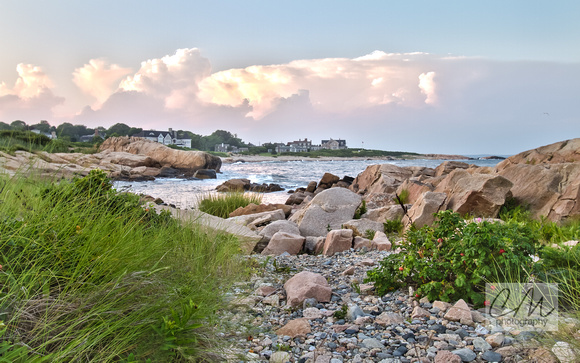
(165, 137)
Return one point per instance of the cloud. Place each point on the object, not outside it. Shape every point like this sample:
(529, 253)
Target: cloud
(427, 86)
(30, 98)
(335, 85)
(99, 79)
(382, 99)
(173, 78)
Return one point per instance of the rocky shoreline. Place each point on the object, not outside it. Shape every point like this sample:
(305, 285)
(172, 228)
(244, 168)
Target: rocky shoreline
(259, 158)
(308, 301)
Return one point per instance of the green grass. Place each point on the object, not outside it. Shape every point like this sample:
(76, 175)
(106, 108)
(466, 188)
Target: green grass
(89, 275)
(549, 232)
(12, 141)
(222, 204)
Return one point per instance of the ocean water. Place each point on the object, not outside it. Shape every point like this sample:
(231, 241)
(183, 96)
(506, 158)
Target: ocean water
(184, 193)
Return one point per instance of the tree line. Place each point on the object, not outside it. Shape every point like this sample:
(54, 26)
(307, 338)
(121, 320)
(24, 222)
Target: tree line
(69, 132)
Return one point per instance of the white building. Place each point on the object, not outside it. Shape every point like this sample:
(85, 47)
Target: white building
(164, 137)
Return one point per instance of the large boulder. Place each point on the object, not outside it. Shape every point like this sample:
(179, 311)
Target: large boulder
(253, 221)
(379, 179)
(387, 213)
(476, 194)
(279, 226)
(381, 242)
(337, 240)
(361, 226)
(305, 285)
(448, 166)
(259, 208)
(550, 190)
(187, 161)
(284, 242)
(414, 189)
(205, 174)
(557, 153)
(234, 185)
(327, 210)
(240, 185)
(127, 159)
(328, 180)
(546, 179)
(379, 183)
(422, 212)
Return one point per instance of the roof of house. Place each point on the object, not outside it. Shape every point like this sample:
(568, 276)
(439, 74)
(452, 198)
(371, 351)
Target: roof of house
(152, 133)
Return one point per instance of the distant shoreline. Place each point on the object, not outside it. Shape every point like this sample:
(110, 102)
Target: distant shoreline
(260, 158)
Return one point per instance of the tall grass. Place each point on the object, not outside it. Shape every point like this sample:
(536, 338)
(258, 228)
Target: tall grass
(557, 264)
(12, 141)
(89, 275)
(222, 204)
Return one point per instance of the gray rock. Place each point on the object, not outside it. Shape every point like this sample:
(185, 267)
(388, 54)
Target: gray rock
(361, 226)
(481, 345)
(372, 343)
(354, 312)
(279, 226)
(330, 208)
(491, 356)
(466, 355)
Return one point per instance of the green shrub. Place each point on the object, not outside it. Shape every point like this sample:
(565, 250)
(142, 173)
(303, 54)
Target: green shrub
(370, 234)
(223, 204)
(455, 259)
(403, 197)
(393, 226)
(362, 209)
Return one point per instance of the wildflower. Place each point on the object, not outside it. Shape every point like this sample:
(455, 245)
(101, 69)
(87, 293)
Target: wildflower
(462, 254)
(492, 287)
(501, 251)
(486, 303)
(401, 268)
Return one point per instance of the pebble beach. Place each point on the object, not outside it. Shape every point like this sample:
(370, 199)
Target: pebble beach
(392, 328)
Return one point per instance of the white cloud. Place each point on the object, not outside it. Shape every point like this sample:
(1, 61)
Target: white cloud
(173, 78)
(335, 85)
(99, 79)
(30, 98)
(427, 86)
(381, 98)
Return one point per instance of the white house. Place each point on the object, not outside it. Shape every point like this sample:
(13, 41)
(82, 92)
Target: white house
(164, 137)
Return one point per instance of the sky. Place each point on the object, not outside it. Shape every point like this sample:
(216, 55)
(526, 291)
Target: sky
(452, 77)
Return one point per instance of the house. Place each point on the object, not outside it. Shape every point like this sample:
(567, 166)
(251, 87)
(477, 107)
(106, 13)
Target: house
(238, 150)
(51, 135)
(164, 137)
(297, 146)
(222, 148)
(300, 145)
(334, 144)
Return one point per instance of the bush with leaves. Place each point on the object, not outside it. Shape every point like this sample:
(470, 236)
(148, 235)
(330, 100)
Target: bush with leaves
(454, 259)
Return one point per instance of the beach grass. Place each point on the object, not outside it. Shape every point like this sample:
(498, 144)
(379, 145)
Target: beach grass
(88, 274)
(222, 204)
